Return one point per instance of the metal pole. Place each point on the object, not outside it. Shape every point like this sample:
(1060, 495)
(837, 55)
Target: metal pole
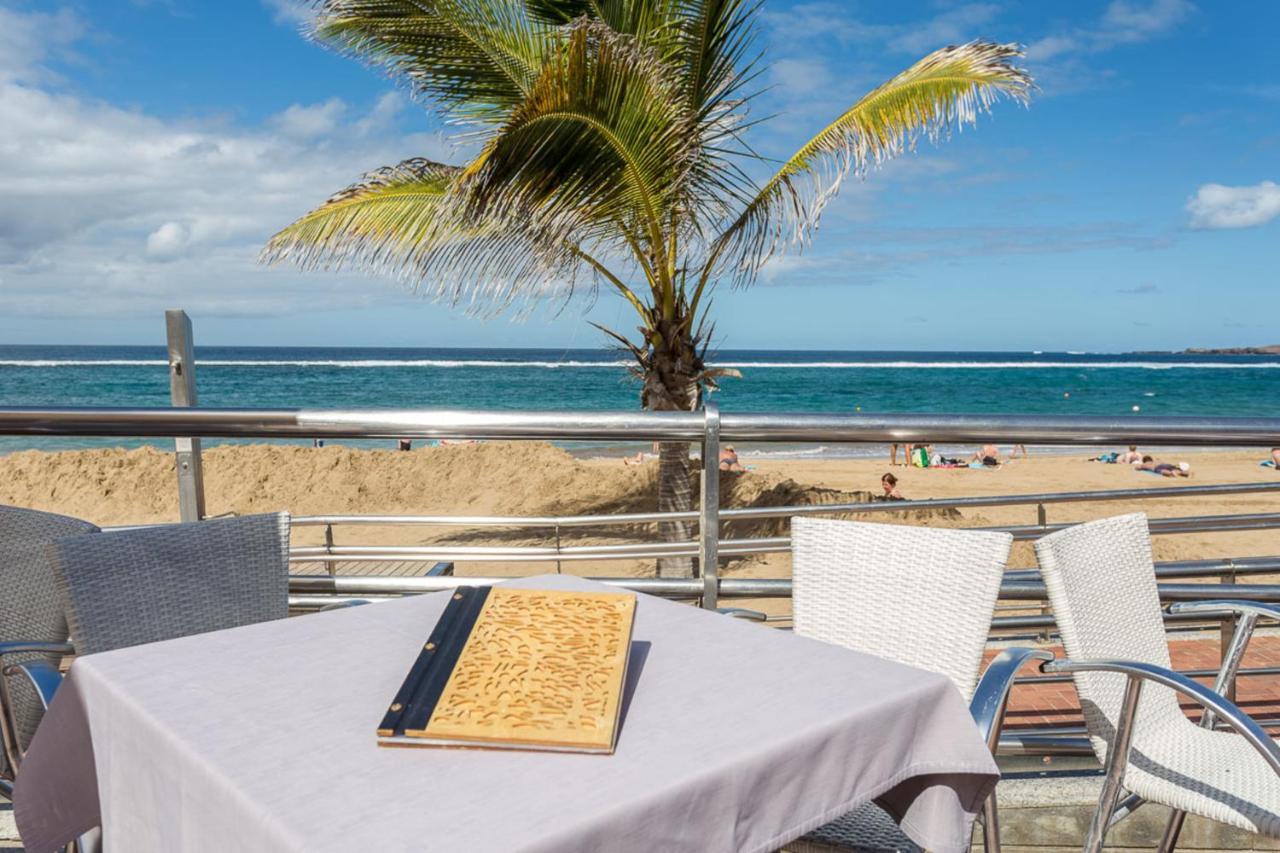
(1226, 632)
(709, 521)
(182, 392)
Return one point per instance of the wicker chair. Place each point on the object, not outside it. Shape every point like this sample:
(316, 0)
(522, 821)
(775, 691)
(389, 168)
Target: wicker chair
(159, 583)
(921, 596)
(33, 628)
(1101, 583)
(150, 584)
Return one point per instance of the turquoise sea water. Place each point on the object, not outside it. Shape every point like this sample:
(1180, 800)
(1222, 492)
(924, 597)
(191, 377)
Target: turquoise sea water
(797, 381)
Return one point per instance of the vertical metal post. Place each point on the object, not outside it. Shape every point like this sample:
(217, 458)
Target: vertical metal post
(328, 549)
(709, 519)
(182, 392)
(1042, 518)
(1225, 634)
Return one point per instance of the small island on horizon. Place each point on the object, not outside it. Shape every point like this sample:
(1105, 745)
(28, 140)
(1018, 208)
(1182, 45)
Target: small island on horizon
(1270, 349)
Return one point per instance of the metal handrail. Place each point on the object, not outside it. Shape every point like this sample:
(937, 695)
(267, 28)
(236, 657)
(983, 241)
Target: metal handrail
(751, 513)
(690, 548)
(635, 426)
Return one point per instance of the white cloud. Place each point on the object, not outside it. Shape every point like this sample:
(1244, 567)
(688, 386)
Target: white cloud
(294, 12)
(1219, 206)
(1123, 22)
(107, 211)
(311, 120)
(955, 26)
(168, 241)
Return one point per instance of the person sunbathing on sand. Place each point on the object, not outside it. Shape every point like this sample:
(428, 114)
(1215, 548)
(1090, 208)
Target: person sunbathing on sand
(1130, 456)
(638, 459)
(1275, 459)
(989, 455)
(729, 459)
(1164, 469)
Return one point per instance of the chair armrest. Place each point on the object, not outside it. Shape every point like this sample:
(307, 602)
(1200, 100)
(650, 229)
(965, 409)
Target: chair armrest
(22, 647)
(1213, 703)
(44, 678)
(1249, 612)
(1235, 607)
(743, 613)
(992, 694)
(339, 605)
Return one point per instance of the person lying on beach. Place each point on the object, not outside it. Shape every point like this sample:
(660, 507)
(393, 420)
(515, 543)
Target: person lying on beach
(890, 485)
(1164, 469)
(1275, 459)
(989, 456)
(1130, 456)
(638, 459)
(729, 459)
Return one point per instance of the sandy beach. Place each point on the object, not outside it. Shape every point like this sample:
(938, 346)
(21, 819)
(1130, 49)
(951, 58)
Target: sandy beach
(114, 486)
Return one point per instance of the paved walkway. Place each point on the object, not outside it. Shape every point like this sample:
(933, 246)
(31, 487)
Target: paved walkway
(1056, 703)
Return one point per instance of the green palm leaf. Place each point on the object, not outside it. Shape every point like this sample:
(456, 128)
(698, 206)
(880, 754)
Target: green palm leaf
(946, 89)
(475, 59)
(405, 221)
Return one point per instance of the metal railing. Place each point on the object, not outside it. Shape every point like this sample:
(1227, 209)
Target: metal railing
(708, 429)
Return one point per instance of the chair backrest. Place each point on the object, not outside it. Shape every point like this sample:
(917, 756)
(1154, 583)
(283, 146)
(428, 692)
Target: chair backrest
(158, 583)
(1102, 585)
(917, 595)
(30, 608)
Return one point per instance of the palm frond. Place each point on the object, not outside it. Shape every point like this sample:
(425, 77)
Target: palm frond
(405, 221)
(601, 142)
(946, 89)
(472, 58)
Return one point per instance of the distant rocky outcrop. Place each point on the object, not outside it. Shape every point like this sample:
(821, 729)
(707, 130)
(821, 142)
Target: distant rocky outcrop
(1273, 349)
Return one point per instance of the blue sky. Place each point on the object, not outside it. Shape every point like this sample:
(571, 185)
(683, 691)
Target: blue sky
(147, 149)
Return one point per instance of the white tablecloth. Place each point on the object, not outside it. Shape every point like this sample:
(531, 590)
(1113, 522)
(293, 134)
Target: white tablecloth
(736, 737)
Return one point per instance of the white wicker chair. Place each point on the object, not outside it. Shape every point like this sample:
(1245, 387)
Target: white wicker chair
(920, 596)
(1101, 583)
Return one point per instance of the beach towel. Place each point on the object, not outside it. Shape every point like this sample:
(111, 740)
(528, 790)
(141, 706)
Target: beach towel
(920, 458)
(1267, 464)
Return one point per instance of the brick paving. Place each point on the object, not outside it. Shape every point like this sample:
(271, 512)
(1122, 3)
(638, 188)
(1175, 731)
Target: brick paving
(1056, 703)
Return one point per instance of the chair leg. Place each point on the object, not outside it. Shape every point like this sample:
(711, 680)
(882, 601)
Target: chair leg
(1117, 761)
(990, 825)
(1172, 830)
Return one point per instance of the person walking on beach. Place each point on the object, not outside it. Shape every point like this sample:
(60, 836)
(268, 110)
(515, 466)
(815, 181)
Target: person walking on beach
(906, 456)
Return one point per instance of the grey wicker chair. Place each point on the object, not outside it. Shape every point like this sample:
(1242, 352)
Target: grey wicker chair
(920, 596)
(1102, 585)
(33, 628)
(159, 583)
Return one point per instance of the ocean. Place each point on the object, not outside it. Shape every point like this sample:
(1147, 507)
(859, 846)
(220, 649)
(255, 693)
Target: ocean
(796, 381)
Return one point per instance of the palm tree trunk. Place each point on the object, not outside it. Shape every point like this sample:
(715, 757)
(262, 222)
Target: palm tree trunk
(675, 494)
(672, 383)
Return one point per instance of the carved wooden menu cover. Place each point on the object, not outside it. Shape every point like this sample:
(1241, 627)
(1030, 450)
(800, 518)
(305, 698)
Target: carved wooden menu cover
(518, 669)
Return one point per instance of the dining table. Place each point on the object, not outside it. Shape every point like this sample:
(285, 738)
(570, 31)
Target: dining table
(734, 737)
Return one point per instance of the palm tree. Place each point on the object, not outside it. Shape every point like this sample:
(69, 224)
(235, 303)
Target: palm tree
(610, 150)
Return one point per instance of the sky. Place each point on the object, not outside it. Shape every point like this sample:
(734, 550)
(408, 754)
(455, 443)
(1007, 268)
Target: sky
(148, 148)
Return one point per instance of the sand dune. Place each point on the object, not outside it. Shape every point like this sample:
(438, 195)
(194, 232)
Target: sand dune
(136, 486)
